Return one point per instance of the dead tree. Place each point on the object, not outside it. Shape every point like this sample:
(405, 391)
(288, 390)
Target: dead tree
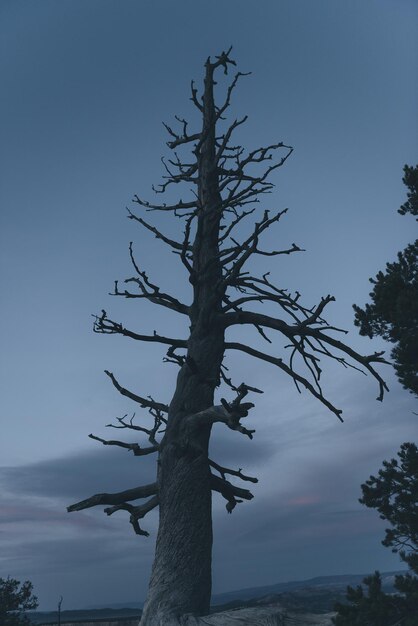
(227, 183)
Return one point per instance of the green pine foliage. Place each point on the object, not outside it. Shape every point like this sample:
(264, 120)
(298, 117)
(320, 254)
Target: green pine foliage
(410, 179)
(371, 608)
(15, 599)
(393, 315)
(393, 311)
(394, 493)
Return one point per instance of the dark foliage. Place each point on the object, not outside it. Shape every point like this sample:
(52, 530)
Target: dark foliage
(393, 312)
(410, 179)
(374, 608)
(15, 599)
(394, 493)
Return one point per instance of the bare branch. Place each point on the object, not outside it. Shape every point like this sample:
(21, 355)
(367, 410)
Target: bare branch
(178, 139)
(316, 314)
(146, 403)
(164, 207)
(115, 498)
(185, 175)
(302, 329)
(230, 492)
(236, 176)
(186, 247)
(231, 88)
(257, 184)
(106, 326)
(222, 60)
(294, 248)
(230, 384)
(264, 290)
(223, 145)
(135, 447)
(151, 432)
(194, 96)
(224, 470)
(226, 413)
(279, 363)
(241, 253)
(176, 245)
(148, 290)
(234, 223)
(136, 513)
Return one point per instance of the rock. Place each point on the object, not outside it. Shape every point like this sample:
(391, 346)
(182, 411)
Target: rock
(265, 616)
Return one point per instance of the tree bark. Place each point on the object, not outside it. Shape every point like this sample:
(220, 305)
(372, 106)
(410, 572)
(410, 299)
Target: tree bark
(181, 575)
(227, 178)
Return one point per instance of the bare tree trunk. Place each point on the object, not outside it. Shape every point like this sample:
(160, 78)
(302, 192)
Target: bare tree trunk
(226, 178)
(181, 576)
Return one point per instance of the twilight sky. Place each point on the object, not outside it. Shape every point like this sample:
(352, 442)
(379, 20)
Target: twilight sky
(86, 84)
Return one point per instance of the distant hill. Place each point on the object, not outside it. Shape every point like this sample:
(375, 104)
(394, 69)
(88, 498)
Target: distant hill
(250, 593)
(316, 595)
(318, 582)
(81, 615)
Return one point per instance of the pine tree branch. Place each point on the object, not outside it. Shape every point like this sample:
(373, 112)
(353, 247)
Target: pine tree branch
(234, 178)
(230, 492)
(235, 222)
(229, 414)
(268, 292)
(136, 513)
(259, 155)
(240, 253)
(223, 60)
(115, 498)
(185, 175)
(104, 325)
(151, 432)
(148, 290)
(165, 207)
(225, 105)
(186, 247)
(238, 389)
(279, 363)
(251, 242)
(146, 403)
(180, 139)
(135, 447)
(238, 473)
(176, 245)
(304, 329)
(223, 144)
(193, 97)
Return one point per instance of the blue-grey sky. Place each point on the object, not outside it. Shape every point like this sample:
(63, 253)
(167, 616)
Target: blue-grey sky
(86, 85)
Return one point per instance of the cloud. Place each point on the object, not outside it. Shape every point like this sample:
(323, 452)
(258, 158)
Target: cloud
(80, 475)
(305, 519)
(80, 555)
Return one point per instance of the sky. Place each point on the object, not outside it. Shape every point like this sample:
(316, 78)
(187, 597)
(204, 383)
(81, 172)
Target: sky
(86, 85)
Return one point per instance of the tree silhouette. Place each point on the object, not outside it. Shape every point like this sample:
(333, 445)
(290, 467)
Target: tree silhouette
(373, 607)
(227, 184)
(393, 312)
(394, 493)
(410, 179)
(15, 599)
